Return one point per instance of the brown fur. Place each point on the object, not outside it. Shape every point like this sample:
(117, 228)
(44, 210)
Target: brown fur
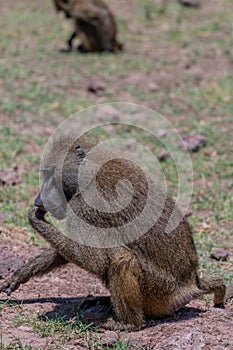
(153, 276)
(94, 24)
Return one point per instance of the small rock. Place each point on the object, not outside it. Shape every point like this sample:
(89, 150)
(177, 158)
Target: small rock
(163, 155)
(219, 254)
(192, 142)
(107, 113)
(187, 65)
(161, 133)
(188, 213)
(190, 3)
(95, 85)
(9, 176)
(153, 87)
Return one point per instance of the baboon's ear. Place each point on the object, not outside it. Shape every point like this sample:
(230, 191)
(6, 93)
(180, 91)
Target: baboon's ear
(81, 155)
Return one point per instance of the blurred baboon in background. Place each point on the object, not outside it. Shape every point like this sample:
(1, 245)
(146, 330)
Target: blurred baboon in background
(94, 25)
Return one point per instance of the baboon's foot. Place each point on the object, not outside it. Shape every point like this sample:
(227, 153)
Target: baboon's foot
(82, 49)
(113, 325)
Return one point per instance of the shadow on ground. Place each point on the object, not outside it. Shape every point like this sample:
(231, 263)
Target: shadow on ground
(95, 310)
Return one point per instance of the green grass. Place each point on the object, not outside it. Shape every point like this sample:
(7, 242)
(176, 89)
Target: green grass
(17, 344)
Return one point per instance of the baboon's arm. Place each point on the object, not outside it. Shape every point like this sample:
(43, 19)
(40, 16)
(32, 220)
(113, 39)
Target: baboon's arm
(52, 235)
(68, 248)
(43, 263)
(70, 40)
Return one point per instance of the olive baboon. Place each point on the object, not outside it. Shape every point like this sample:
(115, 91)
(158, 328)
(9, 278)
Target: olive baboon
(94, 24)
(151, 276)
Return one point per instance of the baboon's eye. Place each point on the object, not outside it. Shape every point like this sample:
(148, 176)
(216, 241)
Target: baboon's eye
(46, 172)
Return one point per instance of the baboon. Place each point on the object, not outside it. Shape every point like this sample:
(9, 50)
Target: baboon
(149, 277)
(94, 24)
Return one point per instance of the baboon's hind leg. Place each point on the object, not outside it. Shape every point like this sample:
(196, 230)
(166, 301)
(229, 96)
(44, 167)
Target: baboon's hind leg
(214, 285)
(125, 290)
(43, 263)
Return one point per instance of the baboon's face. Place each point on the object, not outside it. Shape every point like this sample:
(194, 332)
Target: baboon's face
(61, 5)
(60, 182)
(51, 198)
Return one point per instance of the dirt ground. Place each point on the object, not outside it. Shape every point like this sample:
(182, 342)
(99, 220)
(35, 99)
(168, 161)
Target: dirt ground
(185, 75)
(59, 294)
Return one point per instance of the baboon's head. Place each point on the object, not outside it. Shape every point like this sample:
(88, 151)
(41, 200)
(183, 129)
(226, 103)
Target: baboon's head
(62, 5)
(59, 172)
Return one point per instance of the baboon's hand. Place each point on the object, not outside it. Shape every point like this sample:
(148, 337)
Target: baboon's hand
(37, 213)
(9, 286)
